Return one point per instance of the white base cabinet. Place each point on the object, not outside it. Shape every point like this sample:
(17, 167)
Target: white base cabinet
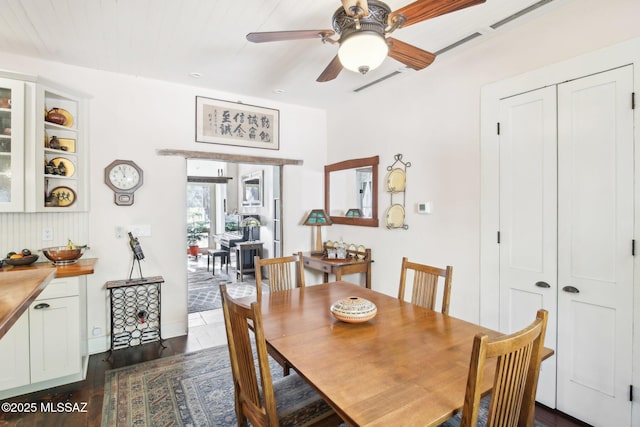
(14, 366)
(46, 347)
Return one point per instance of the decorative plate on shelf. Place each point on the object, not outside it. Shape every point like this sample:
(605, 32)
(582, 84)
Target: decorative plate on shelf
(329, 244)
(65, 195)
(362, 251)
(352, 248)
(396, 181)
(59, 116)
(395, 216)
(64, 144)
(69, 167)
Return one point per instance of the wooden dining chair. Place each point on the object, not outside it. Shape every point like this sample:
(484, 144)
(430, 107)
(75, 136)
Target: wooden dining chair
(283, 273)
(512, 400)
(256, 393)
(425, 284)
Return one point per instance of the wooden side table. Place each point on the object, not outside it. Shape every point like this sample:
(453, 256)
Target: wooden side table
(244, 249)
(339, 266)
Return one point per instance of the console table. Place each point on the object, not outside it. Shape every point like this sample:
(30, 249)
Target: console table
(244, 249)
(339, 267)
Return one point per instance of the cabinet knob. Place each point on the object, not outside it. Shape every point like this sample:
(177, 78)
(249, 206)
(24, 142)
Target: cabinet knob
(41, 306)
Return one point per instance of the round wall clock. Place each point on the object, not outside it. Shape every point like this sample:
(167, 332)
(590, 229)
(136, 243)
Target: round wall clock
(123, 177)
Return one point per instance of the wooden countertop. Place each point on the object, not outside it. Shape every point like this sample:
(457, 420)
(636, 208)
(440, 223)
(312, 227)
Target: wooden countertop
(18, 289)
(20, 286)
(83, 266)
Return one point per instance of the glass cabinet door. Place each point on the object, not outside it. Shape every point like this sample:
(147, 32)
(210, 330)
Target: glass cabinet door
(12, 143)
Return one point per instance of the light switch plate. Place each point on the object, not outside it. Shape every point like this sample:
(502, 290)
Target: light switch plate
(140, 230)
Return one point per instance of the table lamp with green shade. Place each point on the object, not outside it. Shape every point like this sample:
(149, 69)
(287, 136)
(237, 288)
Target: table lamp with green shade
(250, 222)
(318, 218)
(354, 213)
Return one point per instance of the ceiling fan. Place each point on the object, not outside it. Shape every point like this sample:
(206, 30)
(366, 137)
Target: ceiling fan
(363, 28)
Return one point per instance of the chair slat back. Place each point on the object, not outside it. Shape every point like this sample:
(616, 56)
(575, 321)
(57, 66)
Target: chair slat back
(284, 272)
(259, 408)
(519, 356)
(424, 288)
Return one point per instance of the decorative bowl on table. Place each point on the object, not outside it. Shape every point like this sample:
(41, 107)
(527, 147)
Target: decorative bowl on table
(25, 260)
(60, 255)
(354, 310)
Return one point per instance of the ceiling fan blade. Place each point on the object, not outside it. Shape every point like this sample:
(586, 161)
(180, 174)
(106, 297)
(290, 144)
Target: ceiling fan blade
(332, 70)
(425, 9)
(409, 55)
(351, 6)
(277, 36)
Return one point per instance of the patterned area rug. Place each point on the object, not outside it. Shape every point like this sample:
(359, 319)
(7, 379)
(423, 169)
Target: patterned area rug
(193, 389)
(204, 292)
(483, 414)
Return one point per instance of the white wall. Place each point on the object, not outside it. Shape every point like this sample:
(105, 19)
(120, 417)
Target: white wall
(130, 119)
(440, 110)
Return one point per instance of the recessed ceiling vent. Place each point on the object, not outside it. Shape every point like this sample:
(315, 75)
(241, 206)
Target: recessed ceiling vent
(458, 43)
(517, 15)
(466, 39)
(381, 79)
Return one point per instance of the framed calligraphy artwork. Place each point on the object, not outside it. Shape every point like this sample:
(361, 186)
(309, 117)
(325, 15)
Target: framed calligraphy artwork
(230, 123)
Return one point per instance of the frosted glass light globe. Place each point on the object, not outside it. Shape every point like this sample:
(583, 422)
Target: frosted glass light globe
(363, 51)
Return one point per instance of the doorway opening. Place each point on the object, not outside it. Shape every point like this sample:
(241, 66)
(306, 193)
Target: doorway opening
(229, 206)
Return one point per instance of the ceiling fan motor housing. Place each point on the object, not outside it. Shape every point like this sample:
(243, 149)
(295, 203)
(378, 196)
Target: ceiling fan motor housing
(363, 45)
(375, 21)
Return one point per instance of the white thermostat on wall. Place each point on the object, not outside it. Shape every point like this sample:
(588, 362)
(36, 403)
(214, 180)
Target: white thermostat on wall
(424, 207)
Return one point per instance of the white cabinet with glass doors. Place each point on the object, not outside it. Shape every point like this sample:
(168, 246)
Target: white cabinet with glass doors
(43, 150)
(12, 127)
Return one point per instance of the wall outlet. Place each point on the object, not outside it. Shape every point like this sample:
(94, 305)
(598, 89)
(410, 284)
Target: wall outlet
(47, 234)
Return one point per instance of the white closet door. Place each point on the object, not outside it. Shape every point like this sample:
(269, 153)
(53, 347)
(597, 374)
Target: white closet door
(595, 225)
(528, 210)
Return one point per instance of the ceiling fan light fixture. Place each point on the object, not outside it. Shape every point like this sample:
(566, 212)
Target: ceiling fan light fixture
(363, 51)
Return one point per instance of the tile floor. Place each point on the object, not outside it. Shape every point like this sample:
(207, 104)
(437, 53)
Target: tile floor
(207, 327)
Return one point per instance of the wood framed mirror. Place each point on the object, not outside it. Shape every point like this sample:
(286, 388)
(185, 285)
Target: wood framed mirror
(352, 186)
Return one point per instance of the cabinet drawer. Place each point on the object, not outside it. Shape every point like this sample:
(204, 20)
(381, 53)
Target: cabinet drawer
(317, 265)
(58, 288)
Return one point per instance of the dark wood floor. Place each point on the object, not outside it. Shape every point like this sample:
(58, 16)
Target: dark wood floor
(89, 393)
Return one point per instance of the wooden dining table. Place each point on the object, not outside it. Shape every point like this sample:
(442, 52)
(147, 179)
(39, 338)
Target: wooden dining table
(408, 366)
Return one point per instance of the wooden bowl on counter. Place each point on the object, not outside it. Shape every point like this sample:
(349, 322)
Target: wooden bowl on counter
(25, 260)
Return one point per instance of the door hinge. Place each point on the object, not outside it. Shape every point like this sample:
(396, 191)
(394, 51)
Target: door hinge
(633, 100)
(498, 128)
(498, 237)
(633, 247)
(630, 392)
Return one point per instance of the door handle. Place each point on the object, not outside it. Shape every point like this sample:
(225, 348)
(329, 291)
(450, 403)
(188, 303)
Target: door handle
(543, 284)
(41, 306)
(571, 289)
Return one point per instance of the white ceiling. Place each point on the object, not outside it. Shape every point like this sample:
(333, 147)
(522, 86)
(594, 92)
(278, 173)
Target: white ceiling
(168, 39)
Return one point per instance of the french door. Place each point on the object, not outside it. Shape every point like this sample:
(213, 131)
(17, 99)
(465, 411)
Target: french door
(595, 234)
(566, 231)
(528, 210)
